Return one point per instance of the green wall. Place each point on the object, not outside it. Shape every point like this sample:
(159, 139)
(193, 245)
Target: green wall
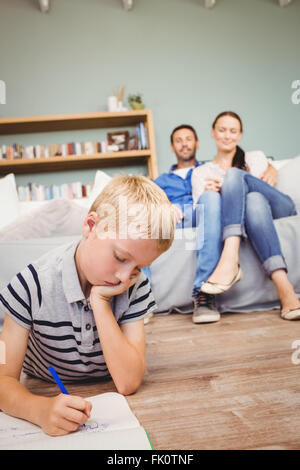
(189, 62)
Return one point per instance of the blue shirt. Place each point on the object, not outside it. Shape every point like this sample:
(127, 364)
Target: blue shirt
(178, 190)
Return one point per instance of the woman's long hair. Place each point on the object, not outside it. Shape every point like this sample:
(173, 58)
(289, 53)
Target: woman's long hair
(239, 157)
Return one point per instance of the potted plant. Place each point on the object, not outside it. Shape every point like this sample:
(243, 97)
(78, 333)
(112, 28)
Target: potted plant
(136, 101)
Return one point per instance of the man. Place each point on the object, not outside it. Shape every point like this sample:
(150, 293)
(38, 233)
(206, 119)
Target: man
(177, 185)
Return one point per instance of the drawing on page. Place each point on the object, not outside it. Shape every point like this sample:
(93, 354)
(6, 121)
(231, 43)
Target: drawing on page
(13, 432)
(93, 426)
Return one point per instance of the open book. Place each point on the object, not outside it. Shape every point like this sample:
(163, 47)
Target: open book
(112, 426)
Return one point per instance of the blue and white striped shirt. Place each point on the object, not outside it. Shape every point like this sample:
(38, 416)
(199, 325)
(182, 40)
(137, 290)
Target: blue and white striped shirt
(46, 298)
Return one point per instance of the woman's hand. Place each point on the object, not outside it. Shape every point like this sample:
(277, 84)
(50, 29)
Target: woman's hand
(212, 184)
(63, 414)
(270, 175)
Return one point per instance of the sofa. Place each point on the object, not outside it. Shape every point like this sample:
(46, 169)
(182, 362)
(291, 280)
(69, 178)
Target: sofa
(36, 230)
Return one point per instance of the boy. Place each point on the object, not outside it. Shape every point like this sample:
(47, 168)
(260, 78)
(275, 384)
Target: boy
(80, 307)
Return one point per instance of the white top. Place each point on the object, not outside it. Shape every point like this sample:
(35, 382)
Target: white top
(256, 162)
(182, 172)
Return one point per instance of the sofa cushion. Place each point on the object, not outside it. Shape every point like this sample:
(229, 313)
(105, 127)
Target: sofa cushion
(288, 180)
(9, 202)
(58, 217)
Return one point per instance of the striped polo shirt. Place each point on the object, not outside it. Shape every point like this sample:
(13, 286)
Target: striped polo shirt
(46, 298)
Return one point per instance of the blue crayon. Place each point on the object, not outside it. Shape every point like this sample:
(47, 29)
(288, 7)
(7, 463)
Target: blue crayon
(58, 381)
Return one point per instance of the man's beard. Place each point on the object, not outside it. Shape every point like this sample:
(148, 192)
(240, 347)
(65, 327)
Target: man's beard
(187, 158)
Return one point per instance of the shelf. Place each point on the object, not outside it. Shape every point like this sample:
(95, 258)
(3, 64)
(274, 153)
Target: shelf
(36, 165)
(64, 122)
(67, 122)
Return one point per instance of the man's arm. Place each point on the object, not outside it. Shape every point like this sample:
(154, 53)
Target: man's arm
(123, 347)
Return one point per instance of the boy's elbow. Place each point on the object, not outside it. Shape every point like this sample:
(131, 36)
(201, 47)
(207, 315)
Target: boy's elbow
(127, 389)
(129, 383)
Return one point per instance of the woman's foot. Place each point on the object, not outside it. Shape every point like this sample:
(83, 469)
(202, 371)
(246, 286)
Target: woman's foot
(290, 304)
(290, 308)
(293, 314)
(222, 279)
(224, 273)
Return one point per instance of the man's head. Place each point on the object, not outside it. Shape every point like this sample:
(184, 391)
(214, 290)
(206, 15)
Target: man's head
(129, 225)
(184, 143)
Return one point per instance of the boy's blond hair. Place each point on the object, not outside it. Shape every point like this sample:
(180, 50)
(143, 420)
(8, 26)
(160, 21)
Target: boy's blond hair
(135, 207)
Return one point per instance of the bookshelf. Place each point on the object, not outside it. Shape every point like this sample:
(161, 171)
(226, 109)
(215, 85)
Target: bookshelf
(67, 122)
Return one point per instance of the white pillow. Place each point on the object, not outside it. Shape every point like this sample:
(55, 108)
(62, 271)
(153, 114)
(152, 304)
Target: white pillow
(55, 218)
(9, 202)
(279, 163)
(101, 180)
(288, 180)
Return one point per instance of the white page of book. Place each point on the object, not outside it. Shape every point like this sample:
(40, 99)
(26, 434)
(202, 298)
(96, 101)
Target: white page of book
(112, 425)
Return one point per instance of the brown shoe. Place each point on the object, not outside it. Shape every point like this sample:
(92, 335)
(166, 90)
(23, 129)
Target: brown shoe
(205, 310)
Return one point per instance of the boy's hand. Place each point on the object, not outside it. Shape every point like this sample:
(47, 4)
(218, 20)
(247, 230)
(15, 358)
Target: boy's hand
(64, 414)
(106, 292)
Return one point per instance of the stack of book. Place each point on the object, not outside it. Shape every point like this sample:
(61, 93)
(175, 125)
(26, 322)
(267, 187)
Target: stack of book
(17, 151)
(10, 152)
(142, 136)
(41, 192)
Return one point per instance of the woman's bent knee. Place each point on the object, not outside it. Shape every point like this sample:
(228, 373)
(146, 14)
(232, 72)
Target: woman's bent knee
(211, 200)
(256, 205)
(213, 197)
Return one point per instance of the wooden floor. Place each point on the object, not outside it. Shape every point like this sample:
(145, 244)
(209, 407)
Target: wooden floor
(228, 385)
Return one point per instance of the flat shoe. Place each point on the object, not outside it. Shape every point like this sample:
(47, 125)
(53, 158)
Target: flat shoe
(293, 314)
(214, 288)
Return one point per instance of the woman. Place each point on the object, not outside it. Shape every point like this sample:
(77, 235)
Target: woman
(249, 206)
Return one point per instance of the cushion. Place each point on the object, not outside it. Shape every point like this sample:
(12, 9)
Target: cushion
(280, 163)
(9, 202)
(58, 217)
(100, 181)
(288, 180)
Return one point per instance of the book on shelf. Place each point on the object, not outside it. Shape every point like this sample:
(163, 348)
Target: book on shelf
(17, 151)
(41, 192)
(88, 148)
(143, 136)
(141, 133)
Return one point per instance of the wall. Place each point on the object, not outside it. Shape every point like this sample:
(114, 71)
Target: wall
(190, 63)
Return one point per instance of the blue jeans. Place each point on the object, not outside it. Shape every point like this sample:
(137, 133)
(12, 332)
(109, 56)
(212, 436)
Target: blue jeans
(249, 206)
(209, 243)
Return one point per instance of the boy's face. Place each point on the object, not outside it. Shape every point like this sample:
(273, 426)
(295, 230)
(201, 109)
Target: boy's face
(110, 262)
